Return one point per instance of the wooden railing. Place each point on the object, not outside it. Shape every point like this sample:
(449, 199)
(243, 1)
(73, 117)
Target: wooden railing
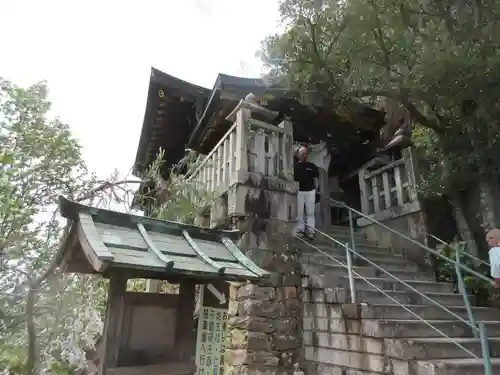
(385, 188)
(249, 146)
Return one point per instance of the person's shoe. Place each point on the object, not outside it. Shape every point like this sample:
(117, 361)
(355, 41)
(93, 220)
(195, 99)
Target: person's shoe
(300, 234)
(310, 236)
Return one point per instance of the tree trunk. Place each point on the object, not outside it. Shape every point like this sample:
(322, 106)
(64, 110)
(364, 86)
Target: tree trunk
(480, 206)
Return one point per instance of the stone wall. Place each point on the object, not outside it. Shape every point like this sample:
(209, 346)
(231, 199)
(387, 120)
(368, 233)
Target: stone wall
(412, 225)
(265, 317)
(344, 339)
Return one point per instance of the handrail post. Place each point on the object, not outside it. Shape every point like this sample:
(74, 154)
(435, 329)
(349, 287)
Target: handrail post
(463, 290)
(351, 230)
(485, 349)
(352, 284)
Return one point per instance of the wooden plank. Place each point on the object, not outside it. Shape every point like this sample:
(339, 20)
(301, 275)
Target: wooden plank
(133, 259)
(185, 339)
(169, 263)
(201, 254)
(215, 250)
(242, 259)
(169, 244)
(190, 268)
(113, 323)
(145, 260)
(187, 368)
(94, 249)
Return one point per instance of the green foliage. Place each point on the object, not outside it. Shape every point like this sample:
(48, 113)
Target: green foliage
(46, 319)
(431, 162)
(440, 60)
(49, 319)
(445, 271)
(178, 198)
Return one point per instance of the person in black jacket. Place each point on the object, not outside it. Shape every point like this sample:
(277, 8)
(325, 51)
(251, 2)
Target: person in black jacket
(306, 174)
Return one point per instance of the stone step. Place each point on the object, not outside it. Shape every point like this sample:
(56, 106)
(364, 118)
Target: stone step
(329, 279)
(438, 347)
(402, 349)
(328, 274)
(337, 252)
(459, 366)
(361, 240)
(386, 283)
(416, 328)
(364, 250)
(427, 312)
(393, 261)
(375, 297)
(396, 328)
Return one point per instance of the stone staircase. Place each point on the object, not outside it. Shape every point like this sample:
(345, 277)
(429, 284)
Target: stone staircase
(378, 336)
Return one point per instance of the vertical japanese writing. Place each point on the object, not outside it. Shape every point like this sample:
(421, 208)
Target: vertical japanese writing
(211, 342)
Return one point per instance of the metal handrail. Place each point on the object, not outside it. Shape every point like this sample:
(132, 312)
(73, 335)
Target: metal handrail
(358, 255)
(458, 250)
(351, 271)
(479, 331)
(409, 239)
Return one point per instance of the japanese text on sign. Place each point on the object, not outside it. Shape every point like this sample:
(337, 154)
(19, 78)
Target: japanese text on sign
(211, 341)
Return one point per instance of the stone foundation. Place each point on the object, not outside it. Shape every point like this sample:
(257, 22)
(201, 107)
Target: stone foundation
(265, 317)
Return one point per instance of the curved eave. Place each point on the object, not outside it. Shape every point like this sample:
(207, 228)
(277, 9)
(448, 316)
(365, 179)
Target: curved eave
(108, 241)
(233, 89)
(170, 86)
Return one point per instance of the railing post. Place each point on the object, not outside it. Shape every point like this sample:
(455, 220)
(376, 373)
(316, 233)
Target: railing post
(463, 290)
(485, 349)
(352, 284)
(241, 160)
(351, 230)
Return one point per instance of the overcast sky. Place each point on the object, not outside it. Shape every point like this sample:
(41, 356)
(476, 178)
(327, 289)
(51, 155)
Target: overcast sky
(96, 57)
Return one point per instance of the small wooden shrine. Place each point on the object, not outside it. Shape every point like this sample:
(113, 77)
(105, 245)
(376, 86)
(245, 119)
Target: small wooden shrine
(149, 333)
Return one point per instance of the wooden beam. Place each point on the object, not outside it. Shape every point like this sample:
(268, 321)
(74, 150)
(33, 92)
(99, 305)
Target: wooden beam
(220, 269)
(113, 323)
(94, 249)
(242, 259)
(169, 263)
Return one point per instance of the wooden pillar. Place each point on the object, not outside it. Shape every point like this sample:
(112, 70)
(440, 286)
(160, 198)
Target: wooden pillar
(185, 336)
(113, 323)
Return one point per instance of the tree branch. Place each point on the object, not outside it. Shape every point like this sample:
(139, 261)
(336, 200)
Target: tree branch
(406, 102)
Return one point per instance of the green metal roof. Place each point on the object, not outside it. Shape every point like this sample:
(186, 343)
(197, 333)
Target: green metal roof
(108, 240)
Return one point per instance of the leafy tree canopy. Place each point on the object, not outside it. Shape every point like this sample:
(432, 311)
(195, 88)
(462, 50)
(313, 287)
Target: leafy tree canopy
(49, 321)
(439, 59)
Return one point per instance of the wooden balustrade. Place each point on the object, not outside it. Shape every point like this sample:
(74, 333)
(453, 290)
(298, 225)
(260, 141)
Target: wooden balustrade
(385, 188)
(251, 146)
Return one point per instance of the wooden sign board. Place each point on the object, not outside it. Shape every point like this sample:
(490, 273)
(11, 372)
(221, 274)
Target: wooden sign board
(212, 329)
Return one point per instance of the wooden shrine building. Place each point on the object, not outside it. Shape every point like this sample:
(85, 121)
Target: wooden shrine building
(371, 167)
(149, 333)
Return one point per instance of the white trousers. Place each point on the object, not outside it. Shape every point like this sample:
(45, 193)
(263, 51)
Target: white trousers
(307, 200)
